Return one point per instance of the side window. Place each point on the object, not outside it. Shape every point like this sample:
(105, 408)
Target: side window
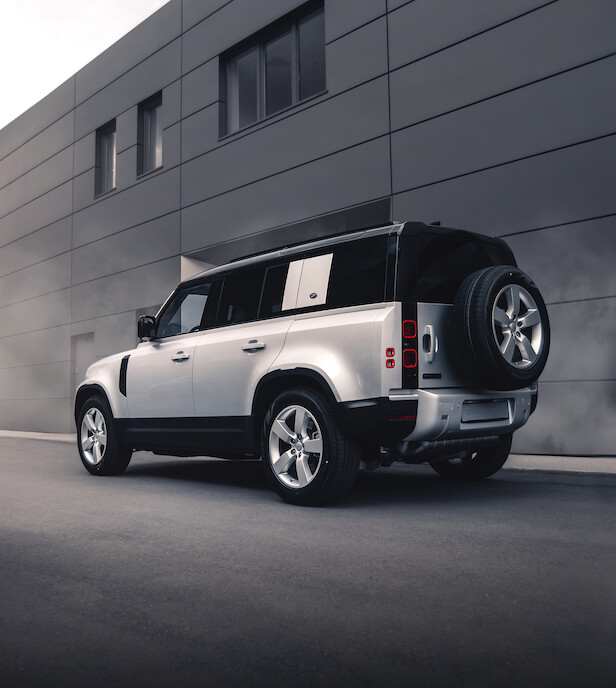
(273, 290)
(358, 273)
(184, 313)
(241, 292)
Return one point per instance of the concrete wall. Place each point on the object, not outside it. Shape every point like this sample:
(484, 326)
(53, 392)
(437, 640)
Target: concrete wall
(495, 117)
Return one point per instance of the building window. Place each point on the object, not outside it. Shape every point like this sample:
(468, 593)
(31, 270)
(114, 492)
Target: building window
(150, 134)
(105, 177)
(280, 67)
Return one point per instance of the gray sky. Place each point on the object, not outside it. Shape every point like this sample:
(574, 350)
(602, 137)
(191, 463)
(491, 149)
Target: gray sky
(44, 42)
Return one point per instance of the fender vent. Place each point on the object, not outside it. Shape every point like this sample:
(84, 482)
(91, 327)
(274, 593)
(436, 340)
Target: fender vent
(123, 369)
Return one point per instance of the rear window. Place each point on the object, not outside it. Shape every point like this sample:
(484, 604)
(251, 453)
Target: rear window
(445, 259)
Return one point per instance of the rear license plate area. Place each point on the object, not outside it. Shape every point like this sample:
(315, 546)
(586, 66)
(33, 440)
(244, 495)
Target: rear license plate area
(485, 411)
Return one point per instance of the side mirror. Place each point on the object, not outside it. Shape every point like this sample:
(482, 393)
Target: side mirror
(146, 327)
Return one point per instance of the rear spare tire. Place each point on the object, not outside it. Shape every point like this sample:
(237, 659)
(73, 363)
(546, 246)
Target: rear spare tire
(504, 327)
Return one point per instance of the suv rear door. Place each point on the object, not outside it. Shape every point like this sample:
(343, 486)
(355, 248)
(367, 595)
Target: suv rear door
(250, 331)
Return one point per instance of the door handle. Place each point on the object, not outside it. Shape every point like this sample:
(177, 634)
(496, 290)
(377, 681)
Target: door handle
(253, 345)
(180, 356)
(430, 343)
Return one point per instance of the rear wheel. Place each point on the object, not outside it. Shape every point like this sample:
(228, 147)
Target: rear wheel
(99, 448)
(306, 457)
(475, 465)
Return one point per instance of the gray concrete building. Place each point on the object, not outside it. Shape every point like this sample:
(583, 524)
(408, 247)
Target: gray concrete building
(218, 128)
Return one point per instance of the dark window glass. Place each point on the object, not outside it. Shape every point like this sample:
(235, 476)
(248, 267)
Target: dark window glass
(150, 134)
(184, 312)
(446, 259)
(273, 290)
(279, 73)
(243, 89)
(105, 177)
(281, 66)
(311, 50)
(241, 292)
(358, 273)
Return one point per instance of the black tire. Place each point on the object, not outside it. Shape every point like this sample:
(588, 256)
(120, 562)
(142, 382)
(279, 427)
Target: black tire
(501, 355)
(302, 477)
(475, 465)
(110, 458)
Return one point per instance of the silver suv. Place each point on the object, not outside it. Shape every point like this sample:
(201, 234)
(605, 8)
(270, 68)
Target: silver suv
(407, 342)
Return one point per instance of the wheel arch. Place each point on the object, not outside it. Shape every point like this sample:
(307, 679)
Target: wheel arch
(277, 381)
(85, 392)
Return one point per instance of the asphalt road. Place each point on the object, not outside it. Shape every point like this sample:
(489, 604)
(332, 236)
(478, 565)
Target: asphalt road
(190, 572)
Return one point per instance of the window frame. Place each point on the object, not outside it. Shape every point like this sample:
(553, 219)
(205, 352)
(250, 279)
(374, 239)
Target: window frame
(154, 102)
(180, 295)
(259, 41)
(101, 163)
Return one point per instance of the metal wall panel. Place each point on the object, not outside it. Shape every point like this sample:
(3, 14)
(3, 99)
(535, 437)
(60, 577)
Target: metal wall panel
(40, 245)
(572, 261)
(138, 45)
(114, 333)
(557, 112)
(345, 179)
(339, 20)
(337, 123)
(425, 26)
(125, 291)
(50, 310)
(44, 210)
(44, 381)
(172, 104)
(38, 149)
(194, 11)
(152, 198)
(37, 415)
(536, 192)
(357, 57)
(146, 243)
(84, 152)
(200, 88)
(233, 23)
(145, 79)
(42, 278)
(49, 174)
(506, 57)
(38, 118)
(582, 341)
(572, 419)
(34, 348)
(200, 132)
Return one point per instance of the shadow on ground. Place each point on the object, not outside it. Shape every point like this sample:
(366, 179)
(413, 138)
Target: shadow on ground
(397, 484)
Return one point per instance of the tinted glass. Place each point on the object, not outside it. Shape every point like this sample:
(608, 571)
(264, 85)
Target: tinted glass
(273, 289)
(358, 273)
(243, 94)
(311, 49)
(184, 313)
(152, 137)
(279, 73)
(446, 259)
(241, 292)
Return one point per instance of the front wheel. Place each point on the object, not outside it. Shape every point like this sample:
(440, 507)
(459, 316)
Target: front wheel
(100, 451)
(475, 465)
(307, 459)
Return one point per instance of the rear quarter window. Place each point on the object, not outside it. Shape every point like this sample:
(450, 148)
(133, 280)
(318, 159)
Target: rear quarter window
(358, 273)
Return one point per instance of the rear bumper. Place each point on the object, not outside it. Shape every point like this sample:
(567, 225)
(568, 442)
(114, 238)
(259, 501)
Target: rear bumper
(450, 414)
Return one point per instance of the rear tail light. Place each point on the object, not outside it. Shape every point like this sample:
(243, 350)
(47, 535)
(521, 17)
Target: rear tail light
(409, 358)
(409, 329)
